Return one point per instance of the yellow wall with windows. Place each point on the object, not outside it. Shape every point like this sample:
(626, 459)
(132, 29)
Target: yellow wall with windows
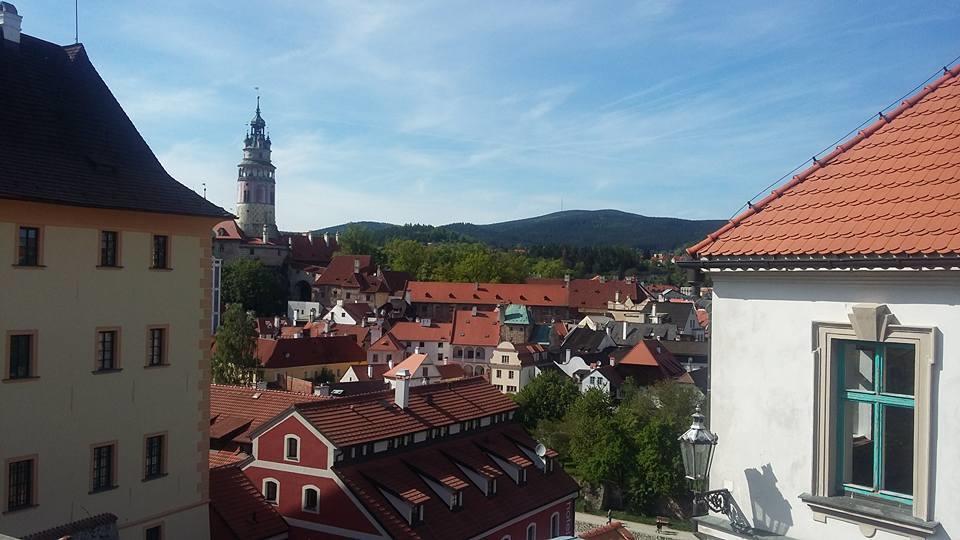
(67, 409)
(270, 375)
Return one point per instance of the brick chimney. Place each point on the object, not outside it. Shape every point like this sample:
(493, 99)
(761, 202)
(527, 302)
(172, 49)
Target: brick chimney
(356, 266)
(9, 24)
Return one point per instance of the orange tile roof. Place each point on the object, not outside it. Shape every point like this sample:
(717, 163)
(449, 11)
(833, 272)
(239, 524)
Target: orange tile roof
(482, 329)
(594, 293)
(611, 531)
(340, 271)
(893, 189)
(651, 353)
(528, 294)
(411, 363)
(414, 331)
(220, 458)
(228, 403)
(375, 416)
(386, 343)
(237, 509)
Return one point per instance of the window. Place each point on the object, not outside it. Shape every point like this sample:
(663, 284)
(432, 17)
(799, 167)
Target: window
(555, 525)
(103, 467)
(505, 359)
(292, 445)
(107, 350)
(271, 490)
(28, 247)
(21, 356)
(389, 358)
(510, 373)
(160, 251)
(512, 389)
(20, 477)
(457, 352)
(108, 248)
(532, 531)
(311, 499)
(153, 453)
(422, 344)
(469, 354)
(499, 373)
(376, 358)
(157, 345)
(873, 423)
(876, 404)
(153, 533)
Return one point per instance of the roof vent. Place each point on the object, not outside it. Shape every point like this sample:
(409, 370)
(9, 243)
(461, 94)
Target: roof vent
(9, 22)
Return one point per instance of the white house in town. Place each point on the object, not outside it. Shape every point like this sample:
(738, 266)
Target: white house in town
(836, 383)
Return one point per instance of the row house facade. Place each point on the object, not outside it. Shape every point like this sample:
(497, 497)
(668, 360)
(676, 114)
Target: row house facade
(437, 461)
(106, 310)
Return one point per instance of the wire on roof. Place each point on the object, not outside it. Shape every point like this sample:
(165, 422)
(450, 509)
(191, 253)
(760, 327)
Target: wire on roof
(895, 103)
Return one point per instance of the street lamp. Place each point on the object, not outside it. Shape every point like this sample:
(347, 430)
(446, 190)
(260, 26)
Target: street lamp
(697, 445)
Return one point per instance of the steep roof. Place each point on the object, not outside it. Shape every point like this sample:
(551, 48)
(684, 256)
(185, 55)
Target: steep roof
(362, 372)
(308, 351)
(375, 416)
(235, 411)
(515, 314)
(386, 343)
(891, 190)
(343, 269)
(237, 509)
(66, 139)
(357, 310)
(479, 330)
(583, 340)
(406, 472)
(411, 363)
(489, 294)
(651, 353)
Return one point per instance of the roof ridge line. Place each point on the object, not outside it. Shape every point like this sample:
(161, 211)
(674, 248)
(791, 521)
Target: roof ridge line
(818, 164)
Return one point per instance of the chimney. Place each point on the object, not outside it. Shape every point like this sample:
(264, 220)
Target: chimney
(356, 266)
(336, 237)
(370, 371)
(326, 238)
(616, 296)
(266, 233)
(402, 390)
(566, 280)
(624, 338)
(613, 361)
(322, 390)
(416, 350)
(568, 355)
(476, 285)
(653, 313)
(310, 237)
(9, 23)
(473, 311)
(390, 364)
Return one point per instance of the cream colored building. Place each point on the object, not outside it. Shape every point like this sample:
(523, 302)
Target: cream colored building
(104, 312)
(513, 366)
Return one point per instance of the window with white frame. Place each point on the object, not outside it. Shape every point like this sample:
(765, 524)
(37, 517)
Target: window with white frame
(311, 499)
(271, 490)
(873, 420)
(291, 448)
(532, 531)
(554, 525)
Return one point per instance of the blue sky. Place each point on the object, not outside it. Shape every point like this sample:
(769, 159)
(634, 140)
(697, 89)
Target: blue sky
(435, 112)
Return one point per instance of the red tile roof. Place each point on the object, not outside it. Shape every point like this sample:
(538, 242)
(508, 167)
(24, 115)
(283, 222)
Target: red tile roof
(370, 417)
(386, 343)
(340, 271)
(237, 509)
(480, 330)
(650, 353)
(594, 293)
(406, 331)
(528, 294)
(611, 531)
(228, 403)
(305, 251)
(220, 458)
(893, 189)
(449, 372)
(228, 230)
(404, 472)
(411, 363)
(308, 351)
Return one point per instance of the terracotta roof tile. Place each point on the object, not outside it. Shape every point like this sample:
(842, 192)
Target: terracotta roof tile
(893, 189)
(308, 351)
(370, 417)
(228, 403)
(611, 531)
(343, 270)
(479, 330)
(406, 331)
(489, 294)
(237, 509)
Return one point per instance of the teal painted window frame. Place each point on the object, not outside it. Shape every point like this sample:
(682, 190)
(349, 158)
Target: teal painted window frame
(880, 401)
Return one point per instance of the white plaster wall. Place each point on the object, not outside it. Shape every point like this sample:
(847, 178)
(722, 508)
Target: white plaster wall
(763, 386)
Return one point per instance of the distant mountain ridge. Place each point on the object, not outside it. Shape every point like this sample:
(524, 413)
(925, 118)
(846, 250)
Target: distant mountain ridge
(574, 228)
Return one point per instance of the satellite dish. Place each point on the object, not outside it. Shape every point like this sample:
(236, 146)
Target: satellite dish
(541, 450)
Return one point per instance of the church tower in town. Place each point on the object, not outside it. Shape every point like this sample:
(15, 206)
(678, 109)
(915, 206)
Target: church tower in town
(255, 183)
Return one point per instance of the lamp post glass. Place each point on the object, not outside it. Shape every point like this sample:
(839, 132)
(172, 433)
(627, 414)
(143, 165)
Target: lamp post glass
(696, 447)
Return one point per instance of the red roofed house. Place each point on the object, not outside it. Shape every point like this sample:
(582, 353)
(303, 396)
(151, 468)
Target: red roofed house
(406, 338)
(647, 362)
(238, 510)
(837, 308)
(236, 411)
(475, 336)
(421, 369)
(439, 300)
(307, 357)
(353, 278)
(513, 366)
(440, 461)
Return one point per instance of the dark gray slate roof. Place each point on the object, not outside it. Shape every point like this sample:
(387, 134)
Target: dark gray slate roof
(66, 140)
(639, 331)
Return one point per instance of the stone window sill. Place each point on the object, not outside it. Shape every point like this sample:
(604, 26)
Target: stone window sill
(21, 379)
(869, 515)
(109, 267)
(27, 266)
(20, 509)
(104, 371)
(101, 490)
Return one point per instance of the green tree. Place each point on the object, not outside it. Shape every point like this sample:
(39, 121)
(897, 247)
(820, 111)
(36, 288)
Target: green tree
(598, 445)
(254, 286)
(547, 397)
(234, 360)
(357, 240)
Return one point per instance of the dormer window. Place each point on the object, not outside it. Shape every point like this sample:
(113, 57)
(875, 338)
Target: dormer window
(456, 500)
(416, 517)
(491, 487)
(291, 445)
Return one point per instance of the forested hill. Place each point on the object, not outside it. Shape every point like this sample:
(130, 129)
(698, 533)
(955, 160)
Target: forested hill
(571, 228)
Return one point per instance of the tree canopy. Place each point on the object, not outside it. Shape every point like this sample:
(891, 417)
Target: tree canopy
(547, 397)
(234, 358)
(254, 286)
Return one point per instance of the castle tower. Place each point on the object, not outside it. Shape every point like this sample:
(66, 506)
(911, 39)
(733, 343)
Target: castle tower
(255, 183)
